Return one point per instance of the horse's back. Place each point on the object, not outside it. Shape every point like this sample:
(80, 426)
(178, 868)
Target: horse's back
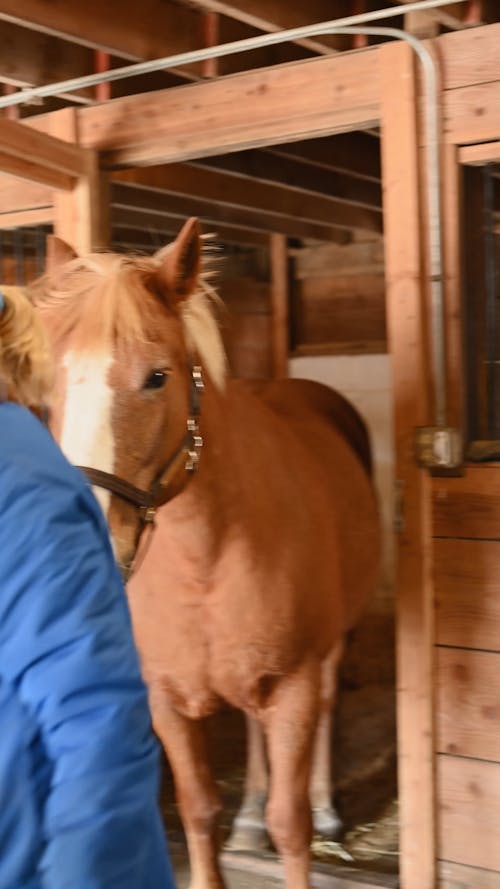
(296, 399)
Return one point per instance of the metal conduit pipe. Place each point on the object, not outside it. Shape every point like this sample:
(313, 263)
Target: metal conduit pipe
(443, 451)
(217, 52)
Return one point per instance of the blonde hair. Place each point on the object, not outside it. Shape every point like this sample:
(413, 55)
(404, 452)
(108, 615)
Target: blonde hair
(26, 369)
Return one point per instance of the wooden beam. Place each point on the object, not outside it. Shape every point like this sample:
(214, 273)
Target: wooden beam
(148, 30)
(355, 154)
(23, 218)
(226, 190)
(303, 100)
(264, 166)
(159, 225)
(279, 304)
(404, 257)
(131, 197)
(81, 217)
(472, 114)
(273, 15)
(31, 59)
(16, 194)
(469, 57)
(38, 157)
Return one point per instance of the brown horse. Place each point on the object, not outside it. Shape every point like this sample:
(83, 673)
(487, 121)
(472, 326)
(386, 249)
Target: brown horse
(259, 561)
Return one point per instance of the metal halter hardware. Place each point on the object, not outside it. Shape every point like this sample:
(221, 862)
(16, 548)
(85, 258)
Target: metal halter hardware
(159, 492)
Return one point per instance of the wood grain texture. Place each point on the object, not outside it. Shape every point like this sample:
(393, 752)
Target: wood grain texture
(468, 507)
(468, 703)
(467, 593)
(469, 811)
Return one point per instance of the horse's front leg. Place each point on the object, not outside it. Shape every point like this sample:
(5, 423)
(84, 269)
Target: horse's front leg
(326, 821)
(249, 833)
(196, 791)
(290, 720)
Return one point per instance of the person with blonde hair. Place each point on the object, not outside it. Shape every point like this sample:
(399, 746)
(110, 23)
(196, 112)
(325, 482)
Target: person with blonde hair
(78, 759)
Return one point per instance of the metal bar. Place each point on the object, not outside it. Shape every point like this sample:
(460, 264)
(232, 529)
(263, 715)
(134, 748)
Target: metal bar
(216, 52)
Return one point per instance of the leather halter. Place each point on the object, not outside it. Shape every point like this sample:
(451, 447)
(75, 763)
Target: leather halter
(188, 452)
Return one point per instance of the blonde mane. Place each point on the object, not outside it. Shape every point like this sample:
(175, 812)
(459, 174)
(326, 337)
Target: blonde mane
(108, 296)
(26, 369)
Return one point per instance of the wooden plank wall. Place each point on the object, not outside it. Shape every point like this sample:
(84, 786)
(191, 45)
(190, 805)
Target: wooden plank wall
(466, 516)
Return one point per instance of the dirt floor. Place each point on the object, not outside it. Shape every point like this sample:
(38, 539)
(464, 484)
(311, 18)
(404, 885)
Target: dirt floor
(364, 746)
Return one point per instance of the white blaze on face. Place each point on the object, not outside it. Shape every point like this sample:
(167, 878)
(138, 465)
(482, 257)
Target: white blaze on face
(86, 435)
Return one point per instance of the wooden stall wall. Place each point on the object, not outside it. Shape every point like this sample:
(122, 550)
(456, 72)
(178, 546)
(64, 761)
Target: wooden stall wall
(466, 515)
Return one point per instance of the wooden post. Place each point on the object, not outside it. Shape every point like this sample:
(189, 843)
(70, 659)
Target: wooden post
(81, 216)
(404, 261)
(279, 304)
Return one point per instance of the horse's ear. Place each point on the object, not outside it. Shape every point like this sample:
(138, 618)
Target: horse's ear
(179, 263)
(58, 252)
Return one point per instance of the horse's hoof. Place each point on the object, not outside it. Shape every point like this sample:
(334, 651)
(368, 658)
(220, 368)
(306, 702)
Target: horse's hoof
(246, 838)
(326, 823)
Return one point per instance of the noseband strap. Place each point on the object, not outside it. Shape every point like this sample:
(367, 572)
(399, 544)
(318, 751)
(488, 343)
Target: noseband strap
(159, 493)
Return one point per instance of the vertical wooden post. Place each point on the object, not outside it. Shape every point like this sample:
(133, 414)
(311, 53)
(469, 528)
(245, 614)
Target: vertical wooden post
(81, 217)
(211, 28)
(404, 262)
(279, 304)
(452, 262)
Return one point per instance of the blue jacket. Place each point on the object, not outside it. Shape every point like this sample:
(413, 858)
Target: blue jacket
(78, 760)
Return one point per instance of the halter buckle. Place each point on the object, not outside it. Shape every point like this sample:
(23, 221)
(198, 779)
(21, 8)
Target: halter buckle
(149, 515)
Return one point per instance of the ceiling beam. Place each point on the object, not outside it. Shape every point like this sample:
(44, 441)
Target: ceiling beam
(264, 166)
(213, 118)
(229, 191)
(274, 15)
(147, 30)
(16, 195)
(355, 154)
(24, 218)
(38, 157)
(160, 226)
(131, 197)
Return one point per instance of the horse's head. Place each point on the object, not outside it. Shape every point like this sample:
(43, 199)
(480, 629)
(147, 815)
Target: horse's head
(127, 333)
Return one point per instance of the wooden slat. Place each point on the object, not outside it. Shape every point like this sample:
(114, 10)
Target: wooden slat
(155, 223)
(17, 194)
(357, 154)
(346, 260)
(224, 189)
(131, 197)
(303, 177)
(484, 153)
(468, 703)
(339, 308)
(458, 876)
(38, 216)
(468, 506)
(467, 589)
(469, 811)
(404, 254)
(247, 337)
(212, 118)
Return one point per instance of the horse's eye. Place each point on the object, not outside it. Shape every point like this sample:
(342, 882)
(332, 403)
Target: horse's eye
(155, 380)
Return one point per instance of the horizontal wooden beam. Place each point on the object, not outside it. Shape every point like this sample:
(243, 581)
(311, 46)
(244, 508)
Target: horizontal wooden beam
(273, 15)
(472, 114)
(212, 118)
(159, 225)
(39, 157)
(229, 191)
(16, 194)
(23, 218)
(356, 154)
(266, 167)
(478, 155)
(469, 57)
(151, 29)
(132, 197)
